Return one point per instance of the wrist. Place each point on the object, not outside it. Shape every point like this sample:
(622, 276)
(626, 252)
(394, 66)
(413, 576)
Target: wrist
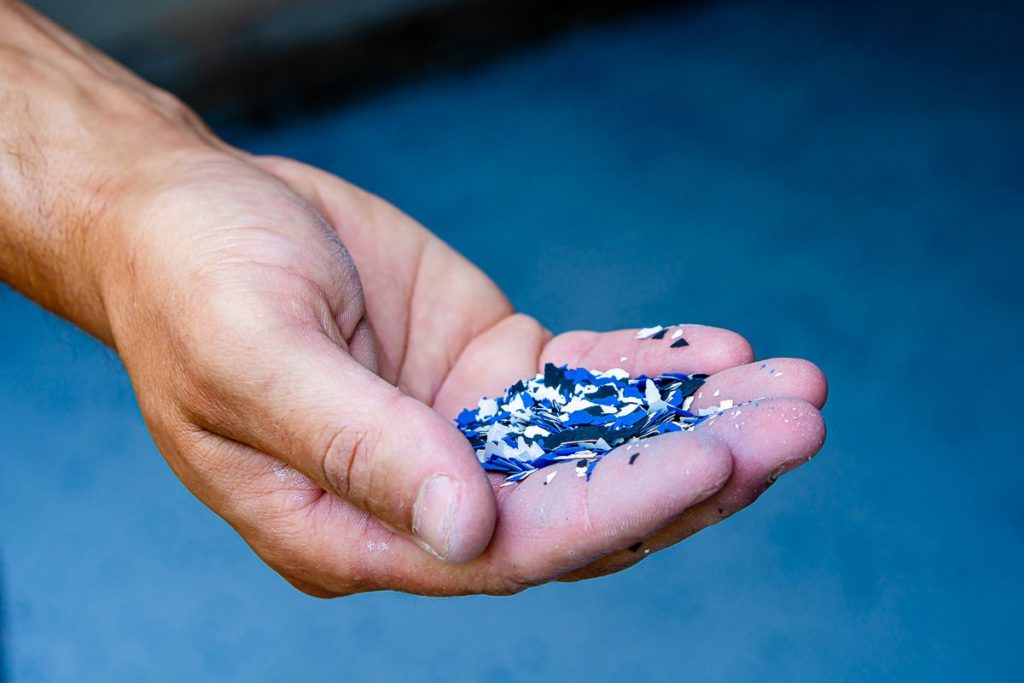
(79, 136)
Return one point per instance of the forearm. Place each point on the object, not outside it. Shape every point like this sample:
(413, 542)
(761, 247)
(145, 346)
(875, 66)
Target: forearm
(77, 132)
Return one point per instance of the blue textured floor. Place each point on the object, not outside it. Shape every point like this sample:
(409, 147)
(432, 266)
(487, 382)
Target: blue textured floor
(838, 183)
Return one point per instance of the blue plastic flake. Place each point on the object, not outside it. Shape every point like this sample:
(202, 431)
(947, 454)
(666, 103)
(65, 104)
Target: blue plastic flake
(566, 414)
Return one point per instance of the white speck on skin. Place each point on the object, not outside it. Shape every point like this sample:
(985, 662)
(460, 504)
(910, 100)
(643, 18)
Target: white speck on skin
(623, 359)
(717, 392)
(646, 332)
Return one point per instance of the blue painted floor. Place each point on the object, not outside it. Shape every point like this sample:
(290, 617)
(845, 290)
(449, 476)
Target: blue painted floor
(837, 182)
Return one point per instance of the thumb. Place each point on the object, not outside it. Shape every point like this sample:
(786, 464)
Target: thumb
(322, 412)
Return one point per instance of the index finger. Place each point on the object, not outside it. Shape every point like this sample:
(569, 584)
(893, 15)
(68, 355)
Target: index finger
(689, 349)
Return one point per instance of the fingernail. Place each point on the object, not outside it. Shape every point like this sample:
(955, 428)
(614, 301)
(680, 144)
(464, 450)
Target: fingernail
(433, 515)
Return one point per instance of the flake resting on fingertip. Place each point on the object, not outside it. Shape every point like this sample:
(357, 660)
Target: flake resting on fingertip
(566, 414)
(648, 332)
(659, 332)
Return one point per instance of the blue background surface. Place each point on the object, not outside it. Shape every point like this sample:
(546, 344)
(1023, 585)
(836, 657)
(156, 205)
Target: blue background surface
(840, 183)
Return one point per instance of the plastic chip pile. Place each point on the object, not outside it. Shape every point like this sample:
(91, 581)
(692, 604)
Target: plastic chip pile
(568, 414)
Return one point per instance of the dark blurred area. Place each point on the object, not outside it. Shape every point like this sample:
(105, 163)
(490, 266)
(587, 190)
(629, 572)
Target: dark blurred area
(262, 60)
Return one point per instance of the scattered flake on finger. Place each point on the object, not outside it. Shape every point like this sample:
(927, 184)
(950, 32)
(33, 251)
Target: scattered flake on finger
(725, 404)
(646, 333)
(576, 414)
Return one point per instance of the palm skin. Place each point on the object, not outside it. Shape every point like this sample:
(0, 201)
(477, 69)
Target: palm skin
(291, 304)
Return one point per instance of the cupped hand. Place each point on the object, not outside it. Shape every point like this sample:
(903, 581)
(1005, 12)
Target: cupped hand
(299, 347)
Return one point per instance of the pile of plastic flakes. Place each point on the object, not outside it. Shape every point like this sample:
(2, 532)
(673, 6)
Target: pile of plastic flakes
(576, 414)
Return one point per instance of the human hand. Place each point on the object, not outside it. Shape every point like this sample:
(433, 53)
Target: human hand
(298, 348)
(266, 357)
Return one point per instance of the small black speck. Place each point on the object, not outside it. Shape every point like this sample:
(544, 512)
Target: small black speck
(679, 342)
(632, 458)
(721, 511)
(581, 463)
(660, 334)
(636, 546)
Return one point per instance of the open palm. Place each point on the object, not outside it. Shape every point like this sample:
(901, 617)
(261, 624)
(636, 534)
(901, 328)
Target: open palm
(286, 419)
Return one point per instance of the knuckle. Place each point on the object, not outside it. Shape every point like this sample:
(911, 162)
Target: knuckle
(347, 462)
